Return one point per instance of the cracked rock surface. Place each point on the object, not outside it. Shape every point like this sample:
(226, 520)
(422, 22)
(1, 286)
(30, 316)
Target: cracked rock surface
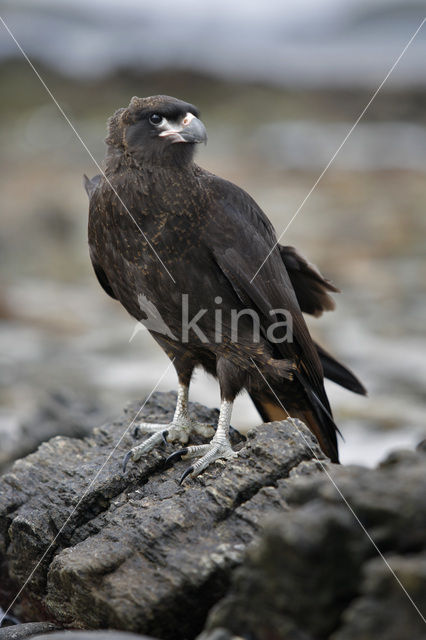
(138, 552)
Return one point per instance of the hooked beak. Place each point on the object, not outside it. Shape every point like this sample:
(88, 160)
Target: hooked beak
(190, 130)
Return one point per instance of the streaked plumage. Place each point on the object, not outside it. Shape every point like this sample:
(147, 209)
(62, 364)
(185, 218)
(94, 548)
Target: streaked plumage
(211, 237)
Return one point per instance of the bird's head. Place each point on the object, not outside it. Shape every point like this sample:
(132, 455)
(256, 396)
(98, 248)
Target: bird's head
(156, 130)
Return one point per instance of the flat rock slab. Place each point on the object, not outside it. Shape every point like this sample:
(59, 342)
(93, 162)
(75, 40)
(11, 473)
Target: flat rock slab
(99, 549)
(26, 631)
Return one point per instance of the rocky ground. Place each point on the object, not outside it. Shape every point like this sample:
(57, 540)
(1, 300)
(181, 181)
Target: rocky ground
(281, 544)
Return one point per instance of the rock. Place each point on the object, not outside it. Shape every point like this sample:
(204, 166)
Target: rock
(219, 634)
(266, 543)
(137, 552)
(315, 573)
(92, 635)
(58, 413)
(384, 611)
(47, 631)
(24, 631)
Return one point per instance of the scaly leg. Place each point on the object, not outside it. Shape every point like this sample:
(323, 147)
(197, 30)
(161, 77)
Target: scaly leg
(176, 430)
(218, 447)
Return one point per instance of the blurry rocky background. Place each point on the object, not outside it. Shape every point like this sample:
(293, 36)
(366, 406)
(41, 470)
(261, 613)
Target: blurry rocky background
(279, 86)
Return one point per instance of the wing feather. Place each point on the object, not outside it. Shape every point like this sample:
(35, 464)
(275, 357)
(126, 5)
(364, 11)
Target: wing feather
(311, 288)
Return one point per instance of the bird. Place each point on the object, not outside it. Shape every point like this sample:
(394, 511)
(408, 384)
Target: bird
(172, 241)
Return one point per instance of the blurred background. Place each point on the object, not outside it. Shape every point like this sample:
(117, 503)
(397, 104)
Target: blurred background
(279, 85)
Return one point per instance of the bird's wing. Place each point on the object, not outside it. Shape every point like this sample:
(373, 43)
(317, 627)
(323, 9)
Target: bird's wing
(311, 288)
(94, 193)
(245, 240)
(267, 294)
(91, 184)
(102, 278)
(312, 292)
(246, 237)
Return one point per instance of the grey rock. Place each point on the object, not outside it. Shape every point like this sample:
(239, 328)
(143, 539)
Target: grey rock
(316, 566)
(384, 610)
(57, 413)
(217, 634)
(138, 552)
(92, 635)
(24, 631)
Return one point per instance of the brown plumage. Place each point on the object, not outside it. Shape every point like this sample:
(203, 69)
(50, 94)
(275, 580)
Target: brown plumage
(160, 227)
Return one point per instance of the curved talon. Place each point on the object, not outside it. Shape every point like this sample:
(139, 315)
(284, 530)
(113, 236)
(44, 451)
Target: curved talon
(188, 471)
(164, 435)
(126, 460)
(10, 618)
(177, 455)
(136, 431)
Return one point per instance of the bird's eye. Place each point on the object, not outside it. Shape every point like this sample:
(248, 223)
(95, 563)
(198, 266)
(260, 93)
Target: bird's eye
(155, 118)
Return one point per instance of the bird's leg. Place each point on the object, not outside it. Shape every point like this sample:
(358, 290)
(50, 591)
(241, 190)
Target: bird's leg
(176, 430)
(181, 425)
(218, 447)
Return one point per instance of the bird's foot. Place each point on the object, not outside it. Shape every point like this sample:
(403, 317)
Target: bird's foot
(176, 431)
(215, 450)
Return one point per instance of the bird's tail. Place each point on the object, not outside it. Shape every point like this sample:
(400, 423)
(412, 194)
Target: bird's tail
(272, 408)
(338, 373)
(318, 418)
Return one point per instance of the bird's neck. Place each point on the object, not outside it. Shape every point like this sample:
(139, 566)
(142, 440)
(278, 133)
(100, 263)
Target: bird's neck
(177, 157)
(124, 171)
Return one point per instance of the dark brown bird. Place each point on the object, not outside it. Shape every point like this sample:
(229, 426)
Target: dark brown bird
(178, 246)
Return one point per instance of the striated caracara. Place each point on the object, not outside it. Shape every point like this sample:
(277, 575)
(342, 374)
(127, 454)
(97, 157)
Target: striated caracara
(177, 244)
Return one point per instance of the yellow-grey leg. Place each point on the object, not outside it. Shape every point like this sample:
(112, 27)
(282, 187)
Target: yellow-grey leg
(178, 429)
(218, 448)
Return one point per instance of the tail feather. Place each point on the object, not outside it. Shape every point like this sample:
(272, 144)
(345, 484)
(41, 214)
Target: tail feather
(320, 419)
(316, 425)
(338, 373)
(313, 410)
(270, 410)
